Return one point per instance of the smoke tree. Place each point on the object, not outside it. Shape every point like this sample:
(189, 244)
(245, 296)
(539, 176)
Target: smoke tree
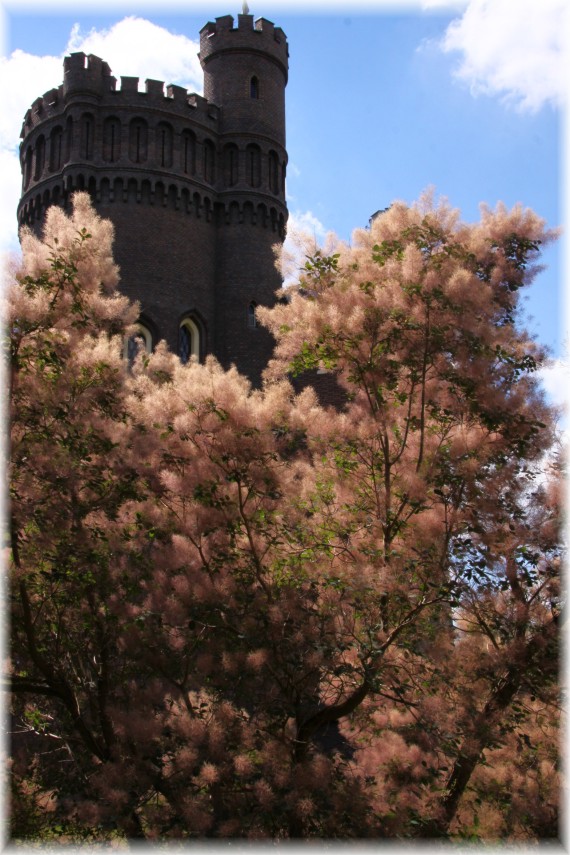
(239, 613)
(153, 574)
(69, 476)
(434, 461)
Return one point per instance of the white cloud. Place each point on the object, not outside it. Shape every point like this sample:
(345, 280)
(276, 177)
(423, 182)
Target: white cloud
(307, 222)
(34, 76)
(305, 233)
(518, 50)
(160, 55)
(555, 378)
(11, 186)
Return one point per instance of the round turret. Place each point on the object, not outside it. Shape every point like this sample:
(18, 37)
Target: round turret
(194, 186)
(245, 74)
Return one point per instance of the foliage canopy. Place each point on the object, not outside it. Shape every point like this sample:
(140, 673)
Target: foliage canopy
(238, 613)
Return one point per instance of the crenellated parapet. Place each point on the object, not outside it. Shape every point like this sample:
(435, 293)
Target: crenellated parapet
(86, 76)
(245, 74)
(87, 79)
(260, 36)
(90, 120)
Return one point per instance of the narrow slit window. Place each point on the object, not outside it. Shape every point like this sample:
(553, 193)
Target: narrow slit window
(253, 165)
(254, 88)
(55, 149)
(189, 153)
(164, 142)
(138, 141)
(111, 139)
(273, 172)
(251, 316)
(86, 136)
(40, 158)
(209, 161)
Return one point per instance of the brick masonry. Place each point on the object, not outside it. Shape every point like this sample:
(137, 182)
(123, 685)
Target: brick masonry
(195, 186)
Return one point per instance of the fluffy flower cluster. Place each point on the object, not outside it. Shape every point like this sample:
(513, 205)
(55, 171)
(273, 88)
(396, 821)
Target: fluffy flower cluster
(239, 613)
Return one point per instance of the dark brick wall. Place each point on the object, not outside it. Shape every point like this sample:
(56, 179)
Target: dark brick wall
(188, 239)
(166, 258)
(253, 280)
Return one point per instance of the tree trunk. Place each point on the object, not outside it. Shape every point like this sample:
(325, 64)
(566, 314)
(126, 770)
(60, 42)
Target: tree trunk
(536, 657)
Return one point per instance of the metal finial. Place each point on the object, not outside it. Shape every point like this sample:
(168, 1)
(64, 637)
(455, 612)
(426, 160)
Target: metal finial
(245, 8)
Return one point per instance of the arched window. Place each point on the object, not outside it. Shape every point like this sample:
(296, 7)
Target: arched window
(138, 140)
(139, 342)
(188, 340)
(251, 317)
(273, 172)
(68, 138)
(164, 144)
(230, 165)
(188, 152)
(254, 88)
(253, 165)
(209, 161)
(28, 166)
(111, 139)
(40, 157)
(55, 149)
(86, 136)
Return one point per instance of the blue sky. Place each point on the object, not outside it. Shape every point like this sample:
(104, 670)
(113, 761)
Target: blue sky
(383, 101)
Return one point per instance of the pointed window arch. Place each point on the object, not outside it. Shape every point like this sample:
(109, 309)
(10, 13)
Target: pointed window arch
(188, 340)
(139, 342)
(251, 316)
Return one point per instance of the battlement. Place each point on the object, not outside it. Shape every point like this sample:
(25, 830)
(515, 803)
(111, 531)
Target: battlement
(261, 35)
(86, 75)
(89, 78)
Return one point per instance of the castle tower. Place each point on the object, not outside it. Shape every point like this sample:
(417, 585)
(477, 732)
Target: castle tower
(193, 185)
(245, 74)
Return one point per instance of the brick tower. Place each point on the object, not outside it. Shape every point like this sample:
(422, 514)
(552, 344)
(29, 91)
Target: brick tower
(195, 186)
